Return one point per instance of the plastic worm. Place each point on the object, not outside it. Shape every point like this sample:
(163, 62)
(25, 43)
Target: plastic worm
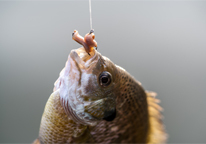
(87, 42)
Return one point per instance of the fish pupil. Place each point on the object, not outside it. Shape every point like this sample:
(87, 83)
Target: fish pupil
(105, 78)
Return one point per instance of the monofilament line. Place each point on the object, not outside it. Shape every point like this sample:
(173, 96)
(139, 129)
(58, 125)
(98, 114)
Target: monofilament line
(90, 11)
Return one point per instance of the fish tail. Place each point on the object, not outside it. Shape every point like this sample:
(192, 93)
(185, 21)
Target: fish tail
(156, 133)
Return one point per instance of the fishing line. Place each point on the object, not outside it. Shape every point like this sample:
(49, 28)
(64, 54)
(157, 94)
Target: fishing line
(90, 11)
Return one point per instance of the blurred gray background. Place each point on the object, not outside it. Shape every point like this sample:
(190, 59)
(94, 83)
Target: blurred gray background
(161, 43)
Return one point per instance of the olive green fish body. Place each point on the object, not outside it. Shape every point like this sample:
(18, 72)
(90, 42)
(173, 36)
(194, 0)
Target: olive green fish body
(56, 126)
(131, 123)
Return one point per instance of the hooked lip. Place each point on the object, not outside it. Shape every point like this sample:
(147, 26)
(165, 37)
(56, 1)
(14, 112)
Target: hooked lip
(82, 58)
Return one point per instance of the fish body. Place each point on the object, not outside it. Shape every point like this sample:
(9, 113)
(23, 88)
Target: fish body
(96, 101)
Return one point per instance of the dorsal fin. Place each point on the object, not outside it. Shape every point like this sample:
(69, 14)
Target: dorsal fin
(36, 141)
(156, 133)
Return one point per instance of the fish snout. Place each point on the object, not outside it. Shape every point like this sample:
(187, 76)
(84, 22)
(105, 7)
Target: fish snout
(81, 56)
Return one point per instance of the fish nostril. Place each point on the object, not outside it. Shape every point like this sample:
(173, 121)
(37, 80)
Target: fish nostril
(110, 115)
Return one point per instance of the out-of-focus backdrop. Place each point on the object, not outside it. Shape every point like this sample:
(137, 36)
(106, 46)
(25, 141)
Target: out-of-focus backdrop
(161, 43)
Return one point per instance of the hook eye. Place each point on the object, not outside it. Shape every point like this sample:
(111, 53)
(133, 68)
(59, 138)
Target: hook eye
(91, 31)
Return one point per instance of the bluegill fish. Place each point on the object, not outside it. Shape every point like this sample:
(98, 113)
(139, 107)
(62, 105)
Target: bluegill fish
(96, 101)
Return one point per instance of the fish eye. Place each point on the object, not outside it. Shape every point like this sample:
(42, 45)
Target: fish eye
(105, 78)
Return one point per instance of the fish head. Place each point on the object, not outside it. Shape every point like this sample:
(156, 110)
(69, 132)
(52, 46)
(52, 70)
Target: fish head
(88, 86)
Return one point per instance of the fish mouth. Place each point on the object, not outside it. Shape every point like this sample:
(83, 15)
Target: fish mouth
(82, 58)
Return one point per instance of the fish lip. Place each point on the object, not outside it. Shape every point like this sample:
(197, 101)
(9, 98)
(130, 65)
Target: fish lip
(79, 56)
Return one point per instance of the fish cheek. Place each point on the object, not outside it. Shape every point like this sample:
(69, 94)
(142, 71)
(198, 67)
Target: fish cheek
(88, 83)
(89, 86)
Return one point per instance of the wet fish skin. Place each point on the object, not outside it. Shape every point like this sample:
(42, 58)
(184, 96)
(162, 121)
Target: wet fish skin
(131, 122)
(138, 118)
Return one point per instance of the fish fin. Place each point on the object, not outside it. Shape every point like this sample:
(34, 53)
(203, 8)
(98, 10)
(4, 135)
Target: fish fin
(36, 141)
(156, 132)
